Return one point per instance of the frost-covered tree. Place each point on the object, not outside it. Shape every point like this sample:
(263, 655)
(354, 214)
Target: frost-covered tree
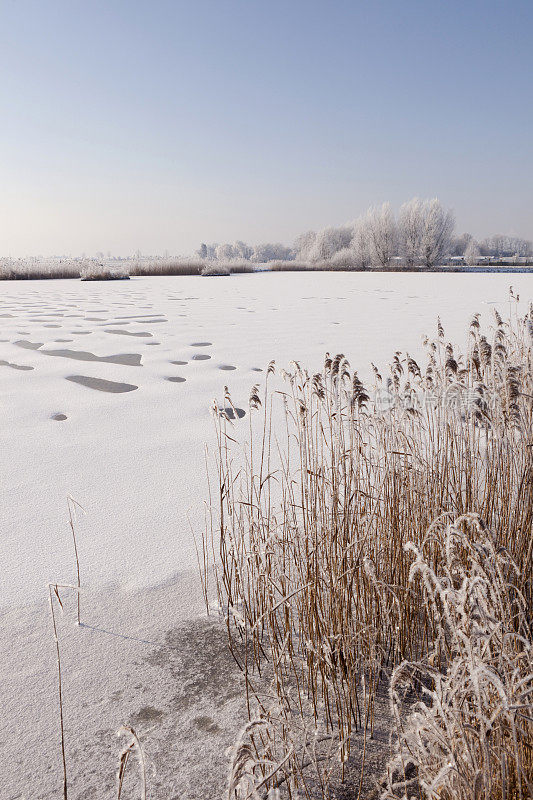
(271, 252)
(380, 232)
(495, 246)
(303, 245)
(344, 258)
(500, 246)
(437, 232)
(424, 231)
(460, 243)
(225, 252)
(360, 243)
(329, 241)
(410, 231)
(242, 250)
(524, 248)
(472, 253)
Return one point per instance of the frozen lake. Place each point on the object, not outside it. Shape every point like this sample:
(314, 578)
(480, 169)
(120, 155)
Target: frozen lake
(106, 391)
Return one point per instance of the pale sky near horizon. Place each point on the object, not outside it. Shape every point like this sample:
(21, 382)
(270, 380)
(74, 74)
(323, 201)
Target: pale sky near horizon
(154, 125)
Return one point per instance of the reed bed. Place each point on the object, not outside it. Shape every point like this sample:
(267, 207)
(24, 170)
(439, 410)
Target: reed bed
(313, 527)
(45, 269)
(40, 269)
(291, 266)
(167, 266)
(240, 266)
(178, 266)
(315, 266)
(339, 264)
(103, 272)
(215, 269)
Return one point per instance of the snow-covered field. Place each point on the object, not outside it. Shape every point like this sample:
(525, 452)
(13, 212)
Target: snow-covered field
(131, 449)
(105, 394)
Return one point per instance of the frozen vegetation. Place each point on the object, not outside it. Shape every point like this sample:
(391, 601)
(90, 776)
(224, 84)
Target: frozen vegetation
(100, 272)
(421, 237)
(380, 537)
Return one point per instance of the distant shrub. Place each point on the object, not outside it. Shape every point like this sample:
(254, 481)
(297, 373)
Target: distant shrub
(101, 272)
(212, 270)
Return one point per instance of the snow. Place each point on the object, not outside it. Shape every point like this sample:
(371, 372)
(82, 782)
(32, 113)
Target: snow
(134, 458)
(146, 654)
(150, 659)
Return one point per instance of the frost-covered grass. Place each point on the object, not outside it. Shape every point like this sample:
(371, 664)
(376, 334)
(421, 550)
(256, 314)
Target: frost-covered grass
(190, 267)
(312, 539)
(470, 734)
(340, 262)
(42, 269)
(103, 272)
(37, 269)
(214, 270)
(167, 266)
(344, 260)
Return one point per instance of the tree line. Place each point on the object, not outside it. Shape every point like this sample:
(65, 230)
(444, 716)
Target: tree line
(422, 234)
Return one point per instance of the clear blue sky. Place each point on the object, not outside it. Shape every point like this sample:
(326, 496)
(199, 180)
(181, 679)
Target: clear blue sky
(130, 124)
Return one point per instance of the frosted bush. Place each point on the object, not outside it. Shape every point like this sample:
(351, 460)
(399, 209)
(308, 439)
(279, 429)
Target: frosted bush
(94, 271)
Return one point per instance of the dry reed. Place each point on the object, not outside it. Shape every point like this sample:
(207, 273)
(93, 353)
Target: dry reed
(72, 506)
(53, 591)
(167, 266)
(41, 269)
(133, 746)
(470, 734)
(103, 272)
(309, 528)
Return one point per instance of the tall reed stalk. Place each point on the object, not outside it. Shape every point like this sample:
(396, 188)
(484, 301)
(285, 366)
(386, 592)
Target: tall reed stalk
(53, 592)
(309, 527)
